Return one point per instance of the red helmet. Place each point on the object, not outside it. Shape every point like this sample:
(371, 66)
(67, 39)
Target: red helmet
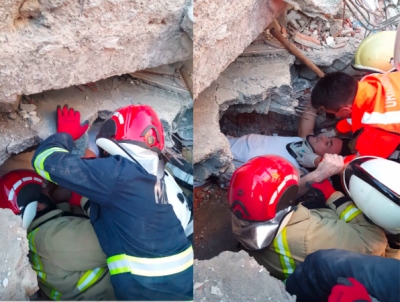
(134, 124)
(262, 192)
(19, 191)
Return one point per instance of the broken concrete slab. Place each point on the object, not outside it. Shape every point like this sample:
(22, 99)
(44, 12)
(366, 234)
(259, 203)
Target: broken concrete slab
(112, 93)
(249, 84)
(188, 19)
(10, 103)
(236, 277)
(327, 55)
(18, 279)
(330, 7)
(75, 42)
(223, 29)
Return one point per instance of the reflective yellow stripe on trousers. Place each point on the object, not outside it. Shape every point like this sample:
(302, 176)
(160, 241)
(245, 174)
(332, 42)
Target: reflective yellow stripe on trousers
(281, 247)
(89, 278)
(350, 213)
(39, 161)
(38, 265)
(151, 267)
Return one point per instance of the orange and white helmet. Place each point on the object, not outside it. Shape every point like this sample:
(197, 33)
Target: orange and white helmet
(261, 196)
(20, 191)
(374, 185)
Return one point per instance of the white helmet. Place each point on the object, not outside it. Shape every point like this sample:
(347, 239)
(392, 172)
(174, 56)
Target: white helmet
(374, 185)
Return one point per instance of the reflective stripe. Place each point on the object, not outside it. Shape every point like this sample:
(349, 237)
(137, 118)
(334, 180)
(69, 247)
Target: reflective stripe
(55, 295)
(39, 161)
(350, 213)
(392, 117)
(89, 278)
(151, 267)
(37, 264)
(281, 247)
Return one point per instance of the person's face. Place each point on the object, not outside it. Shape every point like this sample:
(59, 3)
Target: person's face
(344, 112)
(322, 144)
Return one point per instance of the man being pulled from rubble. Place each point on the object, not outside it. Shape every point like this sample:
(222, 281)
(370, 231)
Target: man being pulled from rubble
(280, 233)
(370, 109)
(296, 150)
(148, 253)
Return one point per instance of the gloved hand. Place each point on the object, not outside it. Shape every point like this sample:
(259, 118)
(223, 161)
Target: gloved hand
(328, 133)
(350, 291)
(69, 121)
(307, 160)
(75, 199)
(324, 188)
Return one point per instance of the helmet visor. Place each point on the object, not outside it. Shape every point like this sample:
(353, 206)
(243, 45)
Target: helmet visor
(258, 235)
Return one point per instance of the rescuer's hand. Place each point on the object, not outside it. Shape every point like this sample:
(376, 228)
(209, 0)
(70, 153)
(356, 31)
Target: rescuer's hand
(69, 121)
(349, 290)
(324, 189)
(331, 164)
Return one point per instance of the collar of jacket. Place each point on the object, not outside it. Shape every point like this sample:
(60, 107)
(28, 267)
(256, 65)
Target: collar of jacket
(46, 217)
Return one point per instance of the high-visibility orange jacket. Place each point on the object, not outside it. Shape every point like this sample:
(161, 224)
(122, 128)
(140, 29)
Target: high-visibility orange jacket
(376, 110)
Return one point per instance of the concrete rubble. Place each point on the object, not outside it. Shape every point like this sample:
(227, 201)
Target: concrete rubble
(17, 278)
(236, 277)
(266, 78)
(223, 29)
(37, 118)
(55, 44)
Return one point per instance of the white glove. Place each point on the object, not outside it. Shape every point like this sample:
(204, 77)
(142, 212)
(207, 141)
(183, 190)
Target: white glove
(307, 159)
(328, 133)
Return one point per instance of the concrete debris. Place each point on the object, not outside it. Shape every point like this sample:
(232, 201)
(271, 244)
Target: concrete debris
(223, 29)
(12, 115)
(17, 277)
(307, 41)
(248, 84)
(27, 107)
(56, 44)
(336, 28)
(236, 277)
(188, 19)
(330, 41)
(111, 94)
(313, 7)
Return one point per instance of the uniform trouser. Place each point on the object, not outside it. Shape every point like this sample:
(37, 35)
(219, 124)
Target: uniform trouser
(314, 279)
(176, 287)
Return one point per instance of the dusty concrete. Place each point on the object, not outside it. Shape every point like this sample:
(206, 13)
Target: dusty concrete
(317, 6)
(236, 277)
(51, 44)
(188, 19)
(112, 93)
(255, 84)
(223, 29)
(17, 279)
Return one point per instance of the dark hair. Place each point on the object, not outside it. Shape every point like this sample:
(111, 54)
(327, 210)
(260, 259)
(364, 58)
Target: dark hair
(346, 149)
(334, 90)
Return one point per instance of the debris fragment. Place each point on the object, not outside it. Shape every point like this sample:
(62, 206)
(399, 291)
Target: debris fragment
(33, 119)
(307, 41)
(197, 285)
(216, 291)
(27, 107)
(5, 282)
(336, 28)
(12, 115)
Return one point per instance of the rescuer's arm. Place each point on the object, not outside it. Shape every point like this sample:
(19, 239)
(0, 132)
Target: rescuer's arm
(331, 164)
(349, 230)
(307, 121)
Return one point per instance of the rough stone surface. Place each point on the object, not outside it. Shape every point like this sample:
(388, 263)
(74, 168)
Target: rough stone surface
(187, 22)
(250, 84)
(67, 42)
(317, 6)
(236, 277)
(16, 274)
(114, 92)
(223, 29)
